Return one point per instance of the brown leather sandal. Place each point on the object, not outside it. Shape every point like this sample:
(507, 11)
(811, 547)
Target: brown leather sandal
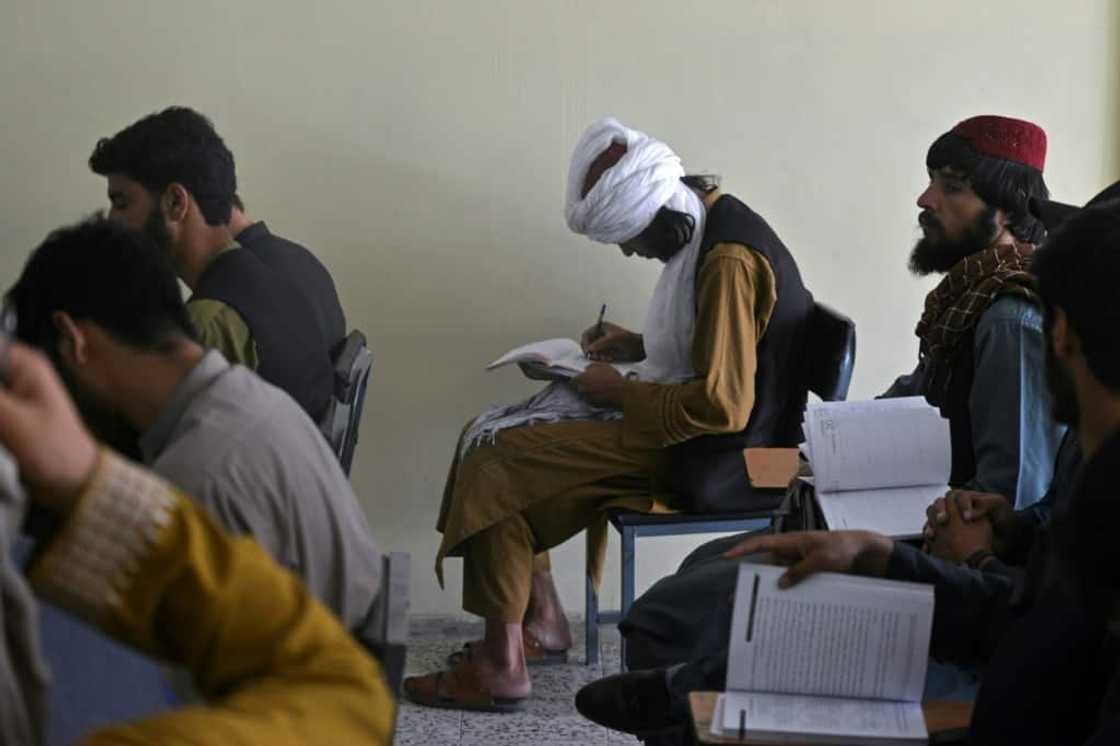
(536, 654)
(458, 689)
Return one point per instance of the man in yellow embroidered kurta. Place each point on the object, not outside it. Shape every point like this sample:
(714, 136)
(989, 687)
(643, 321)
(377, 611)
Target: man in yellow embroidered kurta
(514, 493)
(147, 566)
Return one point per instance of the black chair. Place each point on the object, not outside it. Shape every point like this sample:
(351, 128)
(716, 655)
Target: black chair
(352, 363)
(830, 355)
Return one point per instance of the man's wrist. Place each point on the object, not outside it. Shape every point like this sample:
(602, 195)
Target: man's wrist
(875, 555)
(976, 560)
(60, 498)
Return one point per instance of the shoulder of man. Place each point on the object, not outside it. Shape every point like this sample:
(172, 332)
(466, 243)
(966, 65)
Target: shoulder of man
(728, 250)
(1011, 310)
(219, 326)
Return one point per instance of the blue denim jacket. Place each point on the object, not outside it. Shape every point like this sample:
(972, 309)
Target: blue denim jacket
(1014, 435)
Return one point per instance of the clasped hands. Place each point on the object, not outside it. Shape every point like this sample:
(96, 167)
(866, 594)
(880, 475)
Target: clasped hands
(964, 522)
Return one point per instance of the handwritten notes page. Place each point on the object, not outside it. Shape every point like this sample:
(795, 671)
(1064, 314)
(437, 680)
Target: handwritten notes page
(561, 357)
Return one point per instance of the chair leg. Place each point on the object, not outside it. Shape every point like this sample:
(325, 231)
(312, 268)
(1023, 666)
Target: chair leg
(628, 542)
(591, 622)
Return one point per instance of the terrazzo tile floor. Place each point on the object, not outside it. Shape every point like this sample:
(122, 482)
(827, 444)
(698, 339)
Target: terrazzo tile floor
(548, 718)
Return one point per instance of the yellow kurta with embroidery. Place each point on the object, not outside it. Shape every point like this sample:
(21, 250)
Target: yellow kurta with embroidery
(153, 570)
(622, 463)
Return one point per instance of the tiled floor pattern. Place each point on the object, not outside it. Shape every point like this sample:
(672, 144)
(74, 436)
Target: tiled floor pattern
(549, 718)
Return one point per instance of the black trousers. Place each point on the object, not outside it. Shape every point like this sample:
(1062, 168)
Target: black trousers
(686, 618)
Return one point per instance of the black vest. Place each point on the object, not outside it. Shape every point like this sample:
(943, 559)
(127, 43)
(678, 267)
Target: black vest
(291, 260)
(293, 354)
(708, 471)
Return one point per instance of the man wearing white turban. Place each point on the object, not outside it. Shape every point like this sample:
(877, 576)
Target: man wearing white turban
(718, 363)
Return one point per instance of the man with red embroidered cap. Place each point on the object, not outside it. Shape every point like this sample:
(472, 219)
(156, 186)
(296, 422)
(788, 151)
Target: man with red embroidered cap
(727, 318)
(982, 349)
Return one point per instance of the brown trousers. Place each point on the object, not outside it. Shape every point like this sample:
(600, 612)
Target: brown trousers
(508, 502)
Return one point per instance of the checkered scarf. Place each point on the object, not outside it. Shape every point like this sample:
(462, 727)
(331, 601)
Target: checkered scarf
(954, 306)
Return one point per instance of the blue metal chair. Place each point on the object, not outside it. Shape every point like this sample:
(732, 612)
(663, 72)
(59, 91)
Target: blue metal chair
(352, 363)
(830, 354)
(95, 681)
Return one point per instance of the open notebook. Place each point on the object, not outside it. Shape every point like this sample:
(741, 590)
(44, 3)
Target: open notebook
(836, 659)
(878, 464)
(558, 358)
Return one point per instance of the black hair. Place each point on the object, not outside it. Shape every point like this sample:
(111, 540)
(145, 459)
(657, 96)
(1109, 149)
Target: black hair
(671, 229)
(703, 183)
(1078, 269)
(236, 202)
(176, 145)
(999, 182)
(99, 270)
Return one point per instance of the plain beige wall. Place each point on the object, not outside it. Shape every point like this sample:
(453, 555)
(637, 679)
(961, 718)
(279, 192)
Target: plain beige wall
(421, 149)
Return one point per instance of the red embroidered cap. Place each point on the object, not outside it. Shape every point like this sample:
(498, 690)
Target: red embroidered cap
(606, 159)
(1003, 137)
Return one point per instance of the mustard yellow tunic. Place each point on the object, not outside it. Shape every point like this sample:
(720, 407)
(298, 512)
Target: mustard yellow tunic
(153, 570)
(559, 478)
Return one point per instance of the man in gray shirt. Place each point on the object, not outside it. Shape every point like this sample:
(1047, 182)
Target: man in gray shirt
(105, 305)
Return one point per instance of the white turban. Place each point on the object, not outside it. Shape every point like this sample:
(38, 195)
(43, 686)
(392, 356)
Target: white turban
(625, 199)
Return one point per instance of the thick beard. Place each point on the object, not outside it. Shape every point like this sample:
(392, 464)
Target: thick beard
(156, 229)
(1063, 394)
(932, 255)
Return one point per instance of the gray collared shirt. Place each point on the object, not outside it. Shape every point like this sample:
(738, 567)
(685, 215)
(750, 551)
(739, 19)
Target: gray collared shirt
(249, 453)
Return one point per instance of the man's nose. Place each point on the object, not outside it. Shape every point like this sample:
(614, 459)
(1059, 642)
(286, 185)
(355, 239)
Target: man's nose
(925, 199)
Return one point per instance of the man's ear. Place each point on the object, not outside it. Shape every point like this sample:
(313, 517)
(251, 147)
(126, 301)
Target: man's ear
(1002, 218)
(1063, 338)
(175, 202)
(73, 343)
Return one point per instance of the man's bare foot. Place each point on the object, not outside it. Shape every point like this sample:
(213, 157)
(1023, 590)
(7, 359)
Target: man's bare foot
(500, 661)
(544, 618)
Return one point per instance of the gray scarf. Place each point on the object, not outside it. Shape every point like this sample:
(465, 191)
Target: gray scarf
(23, 672)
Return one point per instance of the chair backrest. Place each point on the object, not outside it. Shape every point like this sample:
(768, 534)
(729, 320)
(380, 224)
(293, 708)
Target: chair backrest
(352, 364)
(830, 353)
(389, 624)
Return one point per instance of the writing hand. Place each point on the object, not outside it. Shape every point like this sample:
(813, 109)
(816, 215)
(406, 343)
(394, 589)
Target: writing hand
(614, 345)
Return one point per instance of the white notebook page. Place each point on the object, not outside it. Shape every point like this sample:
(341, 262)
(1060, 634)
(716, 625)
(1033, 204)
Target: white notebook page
(821, 716)
(883, 443)
(547, 352)
(898, 512)
(830, 635)
(559, 355)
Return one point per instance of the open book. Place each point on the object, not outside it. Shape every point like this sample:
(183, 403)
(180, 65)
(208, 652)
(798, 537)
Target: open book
(836, 659)
(557, 358)
(878, 464)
